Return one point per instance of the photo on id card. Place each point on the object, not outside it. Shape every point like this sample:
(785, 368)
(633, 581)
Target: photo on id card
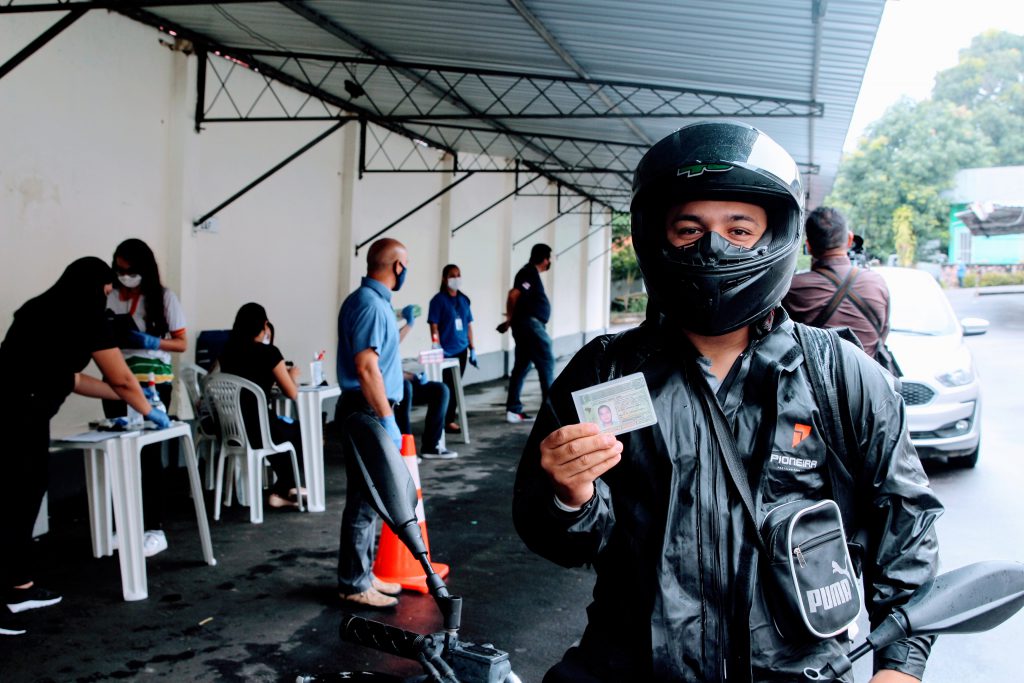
(618, 406)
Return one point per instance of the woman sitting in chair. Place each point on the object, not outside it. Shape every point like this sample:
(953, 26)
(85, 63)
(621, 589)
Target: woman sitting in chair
(250, 354)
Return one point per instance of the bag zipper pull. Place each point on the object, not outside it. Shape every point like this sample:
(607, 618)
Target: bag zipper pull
(800, 556)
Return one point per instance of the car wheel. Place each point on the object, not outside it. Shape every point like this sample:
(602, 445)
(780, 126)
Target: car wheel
(970, 460)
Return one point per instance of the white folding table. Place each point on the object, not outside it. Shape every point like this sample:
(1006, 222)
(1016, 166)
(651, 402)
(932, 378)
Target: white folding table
(310, 406)
(435, 373)
(113, 473)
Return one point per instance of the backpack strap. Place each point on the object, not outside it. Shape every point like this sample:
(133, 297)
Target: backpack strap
(823, 361)
(842, 289)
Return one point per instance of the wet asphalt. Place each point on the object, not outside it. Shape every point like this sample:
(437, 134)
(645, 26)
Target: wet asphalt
(268, 610)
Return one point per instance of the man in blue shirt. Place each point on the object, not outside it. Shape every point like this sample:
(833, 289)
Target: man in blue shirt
(370, 375)
(528, 311)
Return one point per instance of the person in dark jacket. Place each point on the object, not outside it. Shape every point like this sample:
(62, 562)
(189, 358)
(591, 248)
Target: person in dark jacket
(40, 368)
(716, 218)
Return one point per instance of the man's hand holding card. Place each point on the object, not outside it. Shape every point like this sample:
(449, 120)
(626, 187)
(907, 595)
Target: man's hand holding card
(576, 455)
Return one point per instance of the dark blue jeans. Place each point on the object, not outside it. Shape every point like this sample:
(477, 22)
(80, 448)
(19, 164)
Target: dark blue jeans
(435, 396)
(358, 520)
(533, 347)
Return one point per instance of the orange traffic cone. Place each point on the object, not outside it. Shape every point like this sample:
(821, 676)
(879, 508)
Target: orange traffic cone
(395, 564)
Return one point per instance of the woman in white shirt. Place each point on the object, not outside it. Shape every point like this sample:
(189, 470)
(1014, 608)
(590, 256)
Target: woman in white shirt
(150, 324)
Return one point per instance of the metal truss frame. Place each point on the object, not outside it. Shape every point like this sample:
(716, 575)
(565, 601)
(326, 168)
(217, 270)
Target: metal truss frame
(459, 119)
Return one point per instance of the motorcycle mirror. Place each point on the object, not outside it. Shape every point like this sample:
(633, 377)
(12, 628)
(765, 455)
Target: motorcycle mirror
(970, 599)
(391, 488)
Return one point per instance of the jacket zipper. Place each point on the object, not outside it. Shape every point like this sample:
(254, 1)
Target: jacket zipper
(813, 543)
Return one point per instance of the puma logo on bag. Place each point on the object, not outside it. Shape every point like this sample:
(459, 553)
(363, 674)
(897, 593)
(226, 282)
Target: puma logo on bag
(836, 569)
(832, 595)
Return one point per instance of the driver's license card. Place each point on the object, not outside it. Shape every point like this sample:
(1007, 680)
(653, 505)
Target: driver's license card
(618, 406)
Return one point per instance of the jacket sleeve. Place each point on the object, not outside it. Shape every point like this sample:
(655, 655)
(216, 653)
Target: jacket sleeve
(570, 539)
(896, 507)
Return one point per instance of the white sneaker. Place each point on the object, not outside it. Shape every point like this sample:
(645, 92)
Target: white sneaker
(516, 418)
(153, 542)
(442, 454)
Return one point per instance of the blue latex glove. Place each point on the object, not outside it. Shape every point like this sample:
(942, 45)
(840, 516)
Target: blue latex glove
(409, 313)
(141, 340)
(472, 358)
(391, 427)
(421, 378)
(160, 419)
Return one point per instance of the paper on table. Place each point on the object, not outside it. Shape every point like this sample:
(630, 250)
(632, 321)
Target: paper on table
(91, 437)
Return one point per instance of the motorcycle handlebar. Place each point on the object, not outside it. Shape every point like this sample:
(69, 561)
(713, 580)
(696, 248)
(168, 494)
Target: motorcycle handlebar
(381, 637)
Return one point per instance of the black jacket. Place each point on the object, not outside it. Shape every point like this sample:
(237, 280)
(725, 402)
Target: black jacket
(666, 532)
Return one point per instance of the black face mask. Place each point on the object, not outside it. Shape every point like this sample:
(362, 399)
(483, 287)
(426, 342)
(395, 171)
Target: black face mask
(711, 249)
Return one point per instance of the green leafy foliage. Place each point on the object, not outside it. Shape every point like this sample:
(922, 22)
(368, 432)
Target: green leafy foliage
(908, 158)
(624, 264)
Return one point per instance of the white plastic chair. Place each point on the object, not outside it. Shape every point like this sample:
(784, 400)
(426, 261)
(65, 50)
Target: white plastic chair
(225, 391)
(193, 376)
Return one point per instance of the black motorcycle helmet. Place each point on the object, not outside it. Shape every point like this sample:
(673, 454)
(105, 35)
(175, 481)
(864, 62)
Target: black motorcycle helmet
(711, 286)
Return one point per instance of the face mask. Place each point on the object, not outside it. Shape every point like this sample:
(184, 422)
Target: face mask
(129, 281)
(709, 250)
(400, 276)
(454, 283)
(266, 339)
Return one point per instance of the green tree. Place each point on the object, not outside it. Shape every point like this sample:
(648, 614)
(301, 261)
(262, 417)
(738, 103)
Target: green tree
(903, 220)
(989, 80)
(624, 264)
(908, 158)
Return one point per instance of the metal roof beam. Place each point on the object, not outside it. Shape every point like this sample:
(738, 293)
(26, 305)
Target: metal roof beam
(419, 80)
(292, 157)
(414, 210)
(551, 96)
(570, 61)
(114, 5)
(43, 38)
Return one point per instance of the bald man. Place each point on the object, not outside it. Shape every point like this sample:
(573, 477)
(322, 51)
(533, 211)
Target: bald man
(370, 374)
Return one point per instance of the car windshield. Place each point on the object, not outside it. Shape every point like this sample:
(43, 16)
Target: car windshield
(918, 305)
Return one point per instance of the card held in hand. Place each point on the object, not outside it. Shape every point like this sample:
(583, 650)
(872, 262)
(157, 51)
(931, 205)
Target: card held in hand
(618, 406)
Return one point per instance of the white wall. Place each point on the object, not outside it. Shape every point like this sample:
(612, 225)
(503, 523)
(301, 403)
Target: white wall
(98, 143)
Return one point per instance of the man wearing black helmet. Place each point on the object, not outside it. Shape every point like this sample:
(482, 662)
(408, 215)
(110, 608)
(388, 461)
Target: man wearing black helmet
(716, 225)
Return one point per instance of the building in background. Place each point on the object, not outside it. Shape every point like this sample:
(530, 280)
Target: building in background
(986, 220)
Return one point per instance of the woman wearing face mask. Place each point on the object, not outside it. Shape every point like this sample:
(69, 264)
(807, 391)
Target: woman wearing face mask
(450, 320)
(249, 353)
(157, 329)
(32, 392)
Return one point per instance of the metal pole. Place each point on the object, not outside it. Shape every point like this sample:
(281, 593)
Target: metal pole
(583, 239)
(200, 87)
(318, 139)
(534, 232)
(412, 211)
(45, 37)
(481, 213)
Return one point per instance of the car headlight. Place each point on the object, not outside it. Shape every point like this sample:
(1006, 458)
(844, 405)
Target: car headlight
(957, 378)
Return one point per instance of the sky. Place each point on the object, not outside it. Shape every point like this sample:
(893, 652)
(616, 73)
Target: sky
(917, 39)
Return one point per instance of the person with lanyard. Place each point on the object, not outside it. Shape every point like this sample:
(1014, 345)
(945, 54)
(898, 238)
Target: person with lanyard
(370, 375)
(527, 311)
(32, 393)
(251, 354)
(152, 327)
(451, 323)
(666, 513)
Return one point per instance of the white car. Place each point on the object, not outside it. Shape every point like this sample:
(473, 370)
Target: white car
(941, 387)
